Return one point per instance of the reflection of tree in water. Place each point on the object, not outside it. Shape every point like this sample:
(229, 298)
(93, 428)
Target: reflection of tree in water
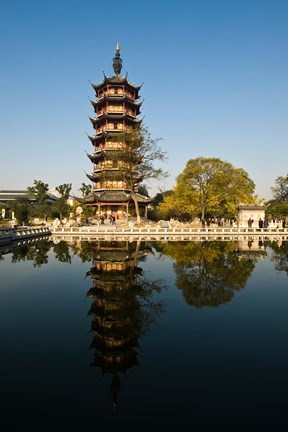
(280, 255)
(61, 251)
(209, 273)
(36, 252)
(122, 308)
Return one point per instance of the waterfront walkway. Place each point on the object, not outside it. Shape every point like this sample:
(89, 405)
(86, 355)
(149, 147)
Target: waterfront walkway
(100, 232)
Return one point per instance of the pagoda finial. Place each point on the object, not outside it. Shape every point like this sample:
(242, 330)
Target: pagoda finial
(117, 61)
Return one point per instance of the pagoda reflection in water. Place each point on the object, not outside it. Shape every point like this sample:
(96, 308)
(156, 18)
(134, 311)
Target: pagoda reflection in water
(120, 310)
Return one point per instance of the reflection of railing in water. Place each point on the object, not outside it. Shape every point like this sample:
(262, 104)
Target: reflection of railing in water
(21, 242)
(98, 236)
(9, 235)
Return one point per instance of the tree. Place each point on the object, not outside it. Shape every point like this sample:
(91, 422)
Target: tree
(210, 186)
(159, 197)
(39, 192)
(137, 162)
(62, 205)
(21, 208)
(85, 189)
(277, 210)
(280, 190)
(143, 190)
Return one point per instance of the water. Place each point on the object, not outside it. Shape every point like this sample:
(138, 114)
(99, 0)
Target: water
(144, 335)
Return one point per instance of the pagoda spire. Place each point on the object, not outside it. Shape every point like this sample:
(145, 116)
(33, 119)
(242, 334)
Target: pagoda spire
(117, 61)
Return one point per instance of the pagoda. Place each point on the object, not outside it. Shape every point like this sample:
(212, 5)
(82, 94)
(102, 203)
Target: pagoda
(116, 108)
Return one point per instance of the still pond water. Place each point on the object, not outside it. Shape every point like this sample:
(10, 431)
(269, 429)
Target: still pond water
(144, 335)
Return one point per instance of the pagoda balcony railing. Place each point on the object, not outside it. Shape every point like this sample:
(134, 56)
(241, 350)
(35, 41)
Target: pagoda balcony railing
(115, 109)
(120, 94)
(110, 129)
(116, 146)
(105, 168)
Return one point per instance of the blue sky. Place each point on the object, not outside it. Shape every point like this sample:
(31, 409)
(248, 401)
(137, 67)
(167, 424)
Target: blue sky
(214, 76)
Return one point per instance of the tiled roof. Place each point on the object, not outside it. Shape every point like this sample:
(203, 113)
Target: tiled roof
(112, 196)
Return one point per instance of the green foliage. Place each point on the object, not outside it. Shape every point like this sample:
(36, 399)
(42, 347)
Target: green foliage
(39, 193)
(138, 161)
(159, 197)
(280, 190)
(143, 190)
(277, 210)
(21, 208)
(208, 187)
(85, 189)
(64, 190)
(61, 206)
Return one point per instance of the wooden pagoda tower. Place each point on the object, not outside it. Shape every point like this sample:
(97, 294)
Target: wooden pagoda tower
(116, 108)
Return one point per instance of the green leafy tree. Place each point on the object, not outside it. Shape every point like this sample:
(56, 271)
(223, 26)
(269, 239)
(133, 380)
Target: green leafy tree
(21, 208)
(277, 210)
(209, 186)
(138, 161)
(39, 193)
(143, 190)
(85, 189)
(62, 205)
(280, 190)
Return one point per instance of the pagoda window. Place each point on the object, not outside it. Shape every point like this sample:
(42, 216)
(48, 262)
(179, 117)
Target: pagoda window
(115, 125)
(115, 108)
(114, 145)
(109, 126)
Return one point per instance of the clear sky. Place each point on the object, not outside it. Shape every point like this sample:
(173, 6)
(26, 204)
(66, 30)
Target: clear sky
(214, 74)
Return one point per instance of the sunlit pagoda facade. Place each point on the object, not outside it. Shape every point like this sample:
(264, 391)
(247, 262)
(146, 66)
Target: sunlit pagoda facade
(116, 108)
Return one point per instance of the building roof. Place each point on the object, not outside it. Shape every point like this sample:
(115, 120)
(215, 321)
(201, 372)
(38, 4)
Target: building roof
(116, 98)
(11, 195)
(117, 78)
(114, 116)
(110, 196)
(252, 207)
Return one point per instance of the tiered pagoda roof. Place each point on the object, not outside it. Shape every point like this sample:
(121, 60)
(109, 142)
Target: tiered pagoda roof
(108, 196)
